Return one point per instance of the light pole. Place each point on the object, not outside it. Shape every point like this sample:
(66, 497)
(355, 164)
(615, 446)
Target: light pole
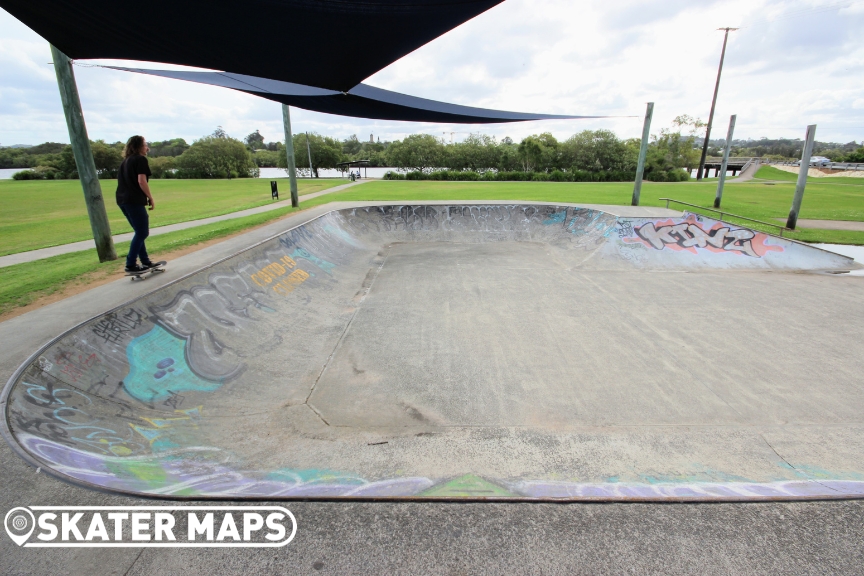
(713, 104)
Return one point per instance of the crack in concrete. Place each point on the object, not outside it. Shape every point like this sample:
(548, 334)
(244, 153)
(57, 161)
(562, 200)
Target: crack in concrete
(806, 476)
(345, 331)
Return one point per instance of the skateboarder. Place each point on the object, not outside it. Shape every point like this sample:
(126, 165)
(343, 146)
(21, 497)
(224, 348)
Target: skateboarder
(133, 197)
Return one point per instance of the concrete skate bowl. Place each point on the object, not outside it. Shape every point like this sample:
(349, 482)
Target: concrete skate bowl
(524, 352)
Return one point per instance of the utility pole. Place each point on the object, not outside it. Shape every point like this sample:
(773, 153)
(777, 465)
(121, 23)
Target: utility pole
(309, 152)
(713, 104)
(803, 169)
(643, 152)
(83, 156)
(289, 154)
(725, 162)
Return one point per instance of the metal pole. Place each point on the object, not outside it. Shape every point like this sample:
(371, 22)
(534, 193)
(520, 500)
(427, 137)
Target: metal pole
(713, 104)
(643, 152)
(289, 155)
(83, 156)
(802, 176)
(309, 152)
(725, 162)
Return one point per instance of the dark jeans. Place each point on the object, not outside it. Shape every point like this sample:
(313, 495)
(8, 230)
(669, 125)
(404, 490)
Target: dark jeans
(140, 222)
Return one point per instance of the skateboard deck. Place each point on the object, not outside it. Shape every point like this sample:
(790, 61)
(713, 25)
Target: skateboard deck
(157, 268)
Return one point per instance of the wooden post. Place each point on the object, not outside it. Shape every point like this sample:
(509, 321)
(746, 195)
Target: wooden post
(289, 154)
(643, 152)
(725, 162)
(309, 152)
(83, 156)
(803, 169)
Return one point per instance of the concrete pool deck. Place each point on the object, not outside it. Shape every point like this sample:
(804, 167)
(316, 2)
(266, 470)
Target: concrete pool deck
(561, 356)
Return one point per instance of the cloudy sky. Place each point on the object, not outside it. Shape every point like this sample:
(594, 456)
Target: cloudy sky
(793, 63)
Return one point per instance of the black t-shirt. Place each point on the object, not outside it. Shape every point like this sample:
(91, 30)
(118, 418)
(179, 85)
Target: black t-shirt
(128, 189)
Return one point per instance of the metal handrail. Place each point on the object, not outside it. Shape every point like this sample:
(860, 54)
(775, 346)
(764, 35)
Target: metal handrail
(722, 213)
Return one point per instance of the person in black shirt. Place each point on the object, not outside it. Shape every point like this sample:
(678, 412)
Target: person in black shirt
(133, 197)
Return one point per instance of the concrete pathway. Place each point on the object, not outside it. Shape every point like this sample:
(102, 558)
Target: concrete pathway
(746, 175)
(33, 255)
(829, 224)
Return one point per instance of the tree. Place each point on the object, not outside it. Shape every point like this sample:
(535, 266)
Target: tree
(219, 133)
(254, 141)
(671, 155)
(265, 158)
(216, 157)
(477, 152)
(351, 146)
(419, 152)
(173, 147)
(163, 166)
(326, 153)
(598, 151)
(530, 153)
(107, 158)
(855, 156)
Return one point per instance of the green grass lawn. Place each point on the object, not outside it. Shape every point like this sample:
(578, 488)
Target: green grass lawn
(39, 213)
(771, 173)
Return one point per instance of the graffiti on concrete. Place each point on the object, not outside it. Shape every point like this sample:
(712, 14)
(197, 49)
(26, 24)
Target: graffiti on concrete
(270, 276)
(115, 326)
(158, 368)
(170, 473)
(119, 402)
(64, 415)
(691, 233)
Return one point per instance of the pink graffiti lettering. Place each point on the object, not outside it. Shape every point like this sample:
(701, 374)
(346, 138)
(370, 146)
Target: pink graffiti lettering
(689, 235)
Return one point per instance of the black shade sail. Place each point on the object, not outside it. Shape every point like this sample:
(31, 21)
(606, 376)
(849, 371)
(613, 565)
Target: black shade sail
(361, 101)
(333, 44)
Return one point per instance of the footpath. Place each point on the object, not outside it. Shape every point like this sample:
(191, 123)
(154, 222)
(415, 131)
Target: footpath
(33, 255)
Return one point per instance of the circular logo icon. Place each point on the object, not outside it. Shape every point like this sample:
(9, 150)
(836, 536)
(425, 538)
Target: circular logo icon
(20, 523)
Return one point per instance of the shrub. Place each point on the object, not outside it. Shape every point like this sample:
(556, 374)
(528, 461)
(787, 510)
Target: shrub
(39, 173)
(27, 175)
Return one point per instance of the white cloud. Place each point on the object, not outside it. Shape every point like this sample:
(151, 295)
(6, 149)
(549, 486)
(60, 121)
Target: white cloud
(792, 63)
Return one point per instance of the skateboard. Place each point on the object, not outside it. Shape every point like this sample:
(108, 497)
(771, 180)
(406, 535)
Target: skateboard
(157, 268)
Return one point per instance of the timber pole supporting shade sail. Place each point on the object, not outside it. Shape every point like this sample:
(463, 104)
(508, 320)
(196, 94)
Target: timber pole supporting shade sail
(361, 101)
(333, 44)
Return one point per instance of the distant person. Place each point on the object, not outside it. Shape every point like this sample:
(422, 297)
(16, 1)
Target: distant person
(133, 197)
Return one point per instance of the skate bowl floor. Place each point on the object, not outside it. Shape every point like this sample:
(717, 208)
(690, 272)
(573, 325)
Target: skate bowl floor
(468, 351)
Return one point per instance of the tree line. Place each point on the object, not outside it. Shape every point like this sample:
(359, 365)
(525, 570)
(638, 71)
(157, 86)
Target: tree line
(788, 149)
(590, 155)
